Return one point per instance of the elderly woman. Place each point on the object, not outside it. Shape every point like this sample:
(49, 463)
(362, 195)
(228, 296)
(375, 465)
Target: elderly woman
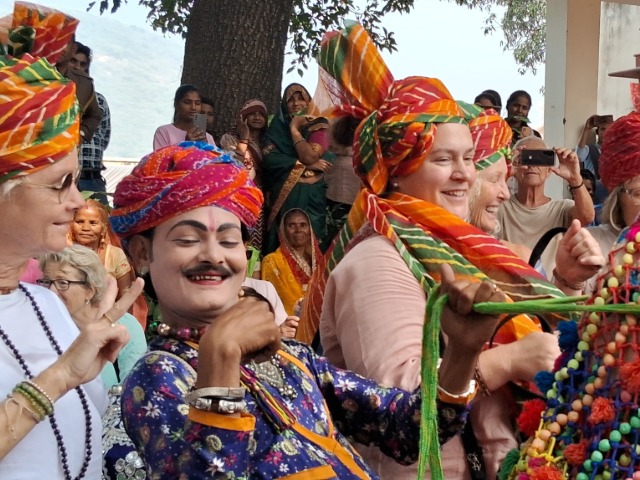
(245, 404)
(291, 266)
(294, 165)
(78, 278)
(50, 415)
(90, 228)
(415, 153)
(490, 431)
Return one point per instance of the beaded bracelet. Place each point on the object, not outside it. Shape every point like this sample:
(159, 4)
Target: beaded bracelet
(39, 400)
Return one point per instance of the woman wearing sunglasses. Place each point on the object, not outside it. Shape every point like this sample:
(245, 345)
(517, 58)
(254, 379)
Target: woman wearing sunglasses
(50, 412)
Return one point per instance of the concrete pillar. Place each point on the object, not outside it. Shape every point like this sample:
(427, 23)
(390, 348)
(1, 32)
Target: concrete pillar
(571, 74)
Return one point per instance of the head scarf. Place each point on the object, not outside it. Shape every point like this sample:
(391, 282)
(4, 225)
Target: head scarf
(180, 178)
(620, 157)
(254, 106)
(39, 122)
(491, 137)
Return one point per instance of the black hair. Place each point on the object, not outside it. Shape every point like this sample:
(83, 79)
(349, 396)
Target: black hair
(518, 93)
(181, 92)
(344, 129)
(496, 95)
(587, 174)
(487, 96)
(207, 101)
(84, 50)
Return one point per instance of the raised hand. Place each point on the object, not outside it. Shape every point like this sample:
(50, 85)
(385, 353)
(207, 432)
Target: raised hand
(578, 257)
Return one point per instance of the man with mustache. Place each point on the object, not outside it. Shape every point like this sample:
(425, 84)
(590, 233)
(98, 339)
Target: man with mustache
(218, 393)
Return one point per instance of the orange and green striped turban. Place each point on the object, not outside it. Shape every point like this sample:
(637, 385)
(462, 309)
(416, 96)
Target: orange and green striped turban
(39, 115)
(491, 138)
(399, 117)
(180, 178)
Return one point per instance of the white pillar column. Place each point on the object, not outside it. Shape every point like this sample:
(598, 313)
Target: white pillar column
(571, 74)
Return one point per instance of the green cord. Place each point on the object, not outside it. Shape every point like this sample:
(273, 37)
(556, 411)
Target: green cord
(429, 441)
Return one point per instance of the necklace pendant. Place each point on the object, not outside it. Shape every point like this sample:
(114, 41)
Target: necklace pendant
(272, 373)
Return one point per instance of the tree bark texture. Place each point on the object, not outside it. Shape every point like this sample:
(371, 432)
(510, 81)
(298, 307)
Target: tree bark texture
(235, 52)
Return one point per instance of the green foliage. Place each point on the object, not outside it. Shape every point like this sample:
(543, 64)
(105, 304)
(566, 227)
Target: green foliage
(522, 22)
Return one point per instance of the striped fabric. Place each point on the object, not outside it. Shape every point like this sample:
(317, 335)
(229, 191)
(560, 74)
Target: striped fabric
(39, 122)
(398, 123)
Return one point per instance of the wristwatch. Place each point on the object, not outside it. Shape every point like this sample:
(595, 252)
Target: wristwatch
(219, 405)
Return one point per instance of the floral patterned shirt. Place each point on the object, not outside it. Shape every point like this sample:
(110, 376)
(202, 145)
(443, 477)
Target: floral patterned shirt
(329, 405)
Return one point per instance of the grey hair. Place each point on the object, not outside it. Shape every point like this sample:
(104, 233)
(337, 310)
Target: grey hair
(84, 260)
(475, 215)
(529, 139)
(612, 213)
(6, 187)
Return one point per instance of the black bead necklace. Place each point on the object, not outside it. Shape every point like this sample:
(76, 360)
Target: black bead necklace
(52, 420)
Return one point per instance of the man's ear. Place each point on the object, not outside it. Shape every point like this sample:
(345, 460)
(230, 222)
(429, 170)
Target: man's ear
(140, 251)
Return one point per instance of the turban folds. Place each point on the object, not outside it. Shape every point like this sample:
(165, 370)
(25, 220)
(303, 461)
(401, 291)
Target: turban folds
(180, 178)
(491, 137)
(39, 121)
(620, 157)
(39, 115)
(398, 116)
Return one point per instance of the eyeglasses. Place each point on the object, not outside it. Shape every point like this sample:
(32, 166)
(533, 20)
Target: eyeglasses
(63, 188)
(62, 285)
(634, 193)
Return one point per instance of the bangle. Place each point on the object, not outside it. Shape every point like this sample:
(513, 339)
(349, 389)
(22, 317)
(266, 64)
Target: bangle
(576, 187)
(220, 405)
(221, 392)
(482, 384)
(297, 142)
(564, 283)
(458, 399)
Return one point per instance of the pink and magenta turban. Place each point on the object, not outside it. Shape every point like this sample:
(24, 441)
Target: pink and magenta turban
(180, 178)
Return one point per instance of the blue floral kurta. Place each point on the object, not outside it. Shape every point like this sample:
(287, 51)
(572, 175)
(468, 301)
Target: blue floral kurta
(179, 442)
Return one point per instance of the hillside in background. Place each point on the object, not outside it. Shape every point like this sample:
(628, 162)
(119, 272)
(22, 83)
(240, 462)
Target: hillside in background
(138, 72)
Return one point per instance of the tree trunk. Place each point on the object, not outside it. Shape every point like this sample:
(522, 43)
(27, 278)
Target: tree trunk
(235, 51)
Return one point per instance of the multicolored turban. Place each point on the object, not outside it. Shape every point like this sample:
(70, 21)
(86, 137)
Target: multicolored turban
(180, 178)
(491, 137)
(620, 157)
(399, 116)
(39, 115)
(40, 31)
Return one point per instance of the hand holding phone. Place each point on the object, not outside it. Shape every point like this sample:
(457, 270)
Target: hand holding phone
(600, 120)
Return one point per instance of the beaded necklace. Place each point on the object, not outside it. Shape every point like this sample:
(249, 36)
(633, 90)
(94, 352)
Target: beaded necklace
(52, 420)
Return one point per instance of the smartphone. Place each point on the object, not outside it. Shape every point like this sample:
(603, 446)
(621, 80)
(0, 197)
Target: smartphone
(602, 120)
(200, 121)
(537, 158)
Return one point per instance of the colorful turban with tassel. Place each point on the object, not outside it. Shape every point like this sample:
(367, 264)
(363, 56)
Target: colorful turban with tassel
(39, 115)
(399, 117)
(180, 178)
(40, 31)
(620, 157)
(491, 138)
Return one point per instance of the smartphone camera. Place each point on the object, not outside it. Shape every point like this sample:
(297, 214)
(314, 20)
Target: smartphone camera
(537, 158)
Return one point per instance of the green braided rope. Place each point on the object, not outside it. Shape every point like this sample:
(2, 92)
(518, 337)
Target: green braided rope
(554, 305)
(429, 441)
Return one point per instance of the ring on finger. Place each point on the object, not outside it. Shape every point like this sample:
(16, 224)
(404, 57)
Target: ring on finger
(111, 321)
